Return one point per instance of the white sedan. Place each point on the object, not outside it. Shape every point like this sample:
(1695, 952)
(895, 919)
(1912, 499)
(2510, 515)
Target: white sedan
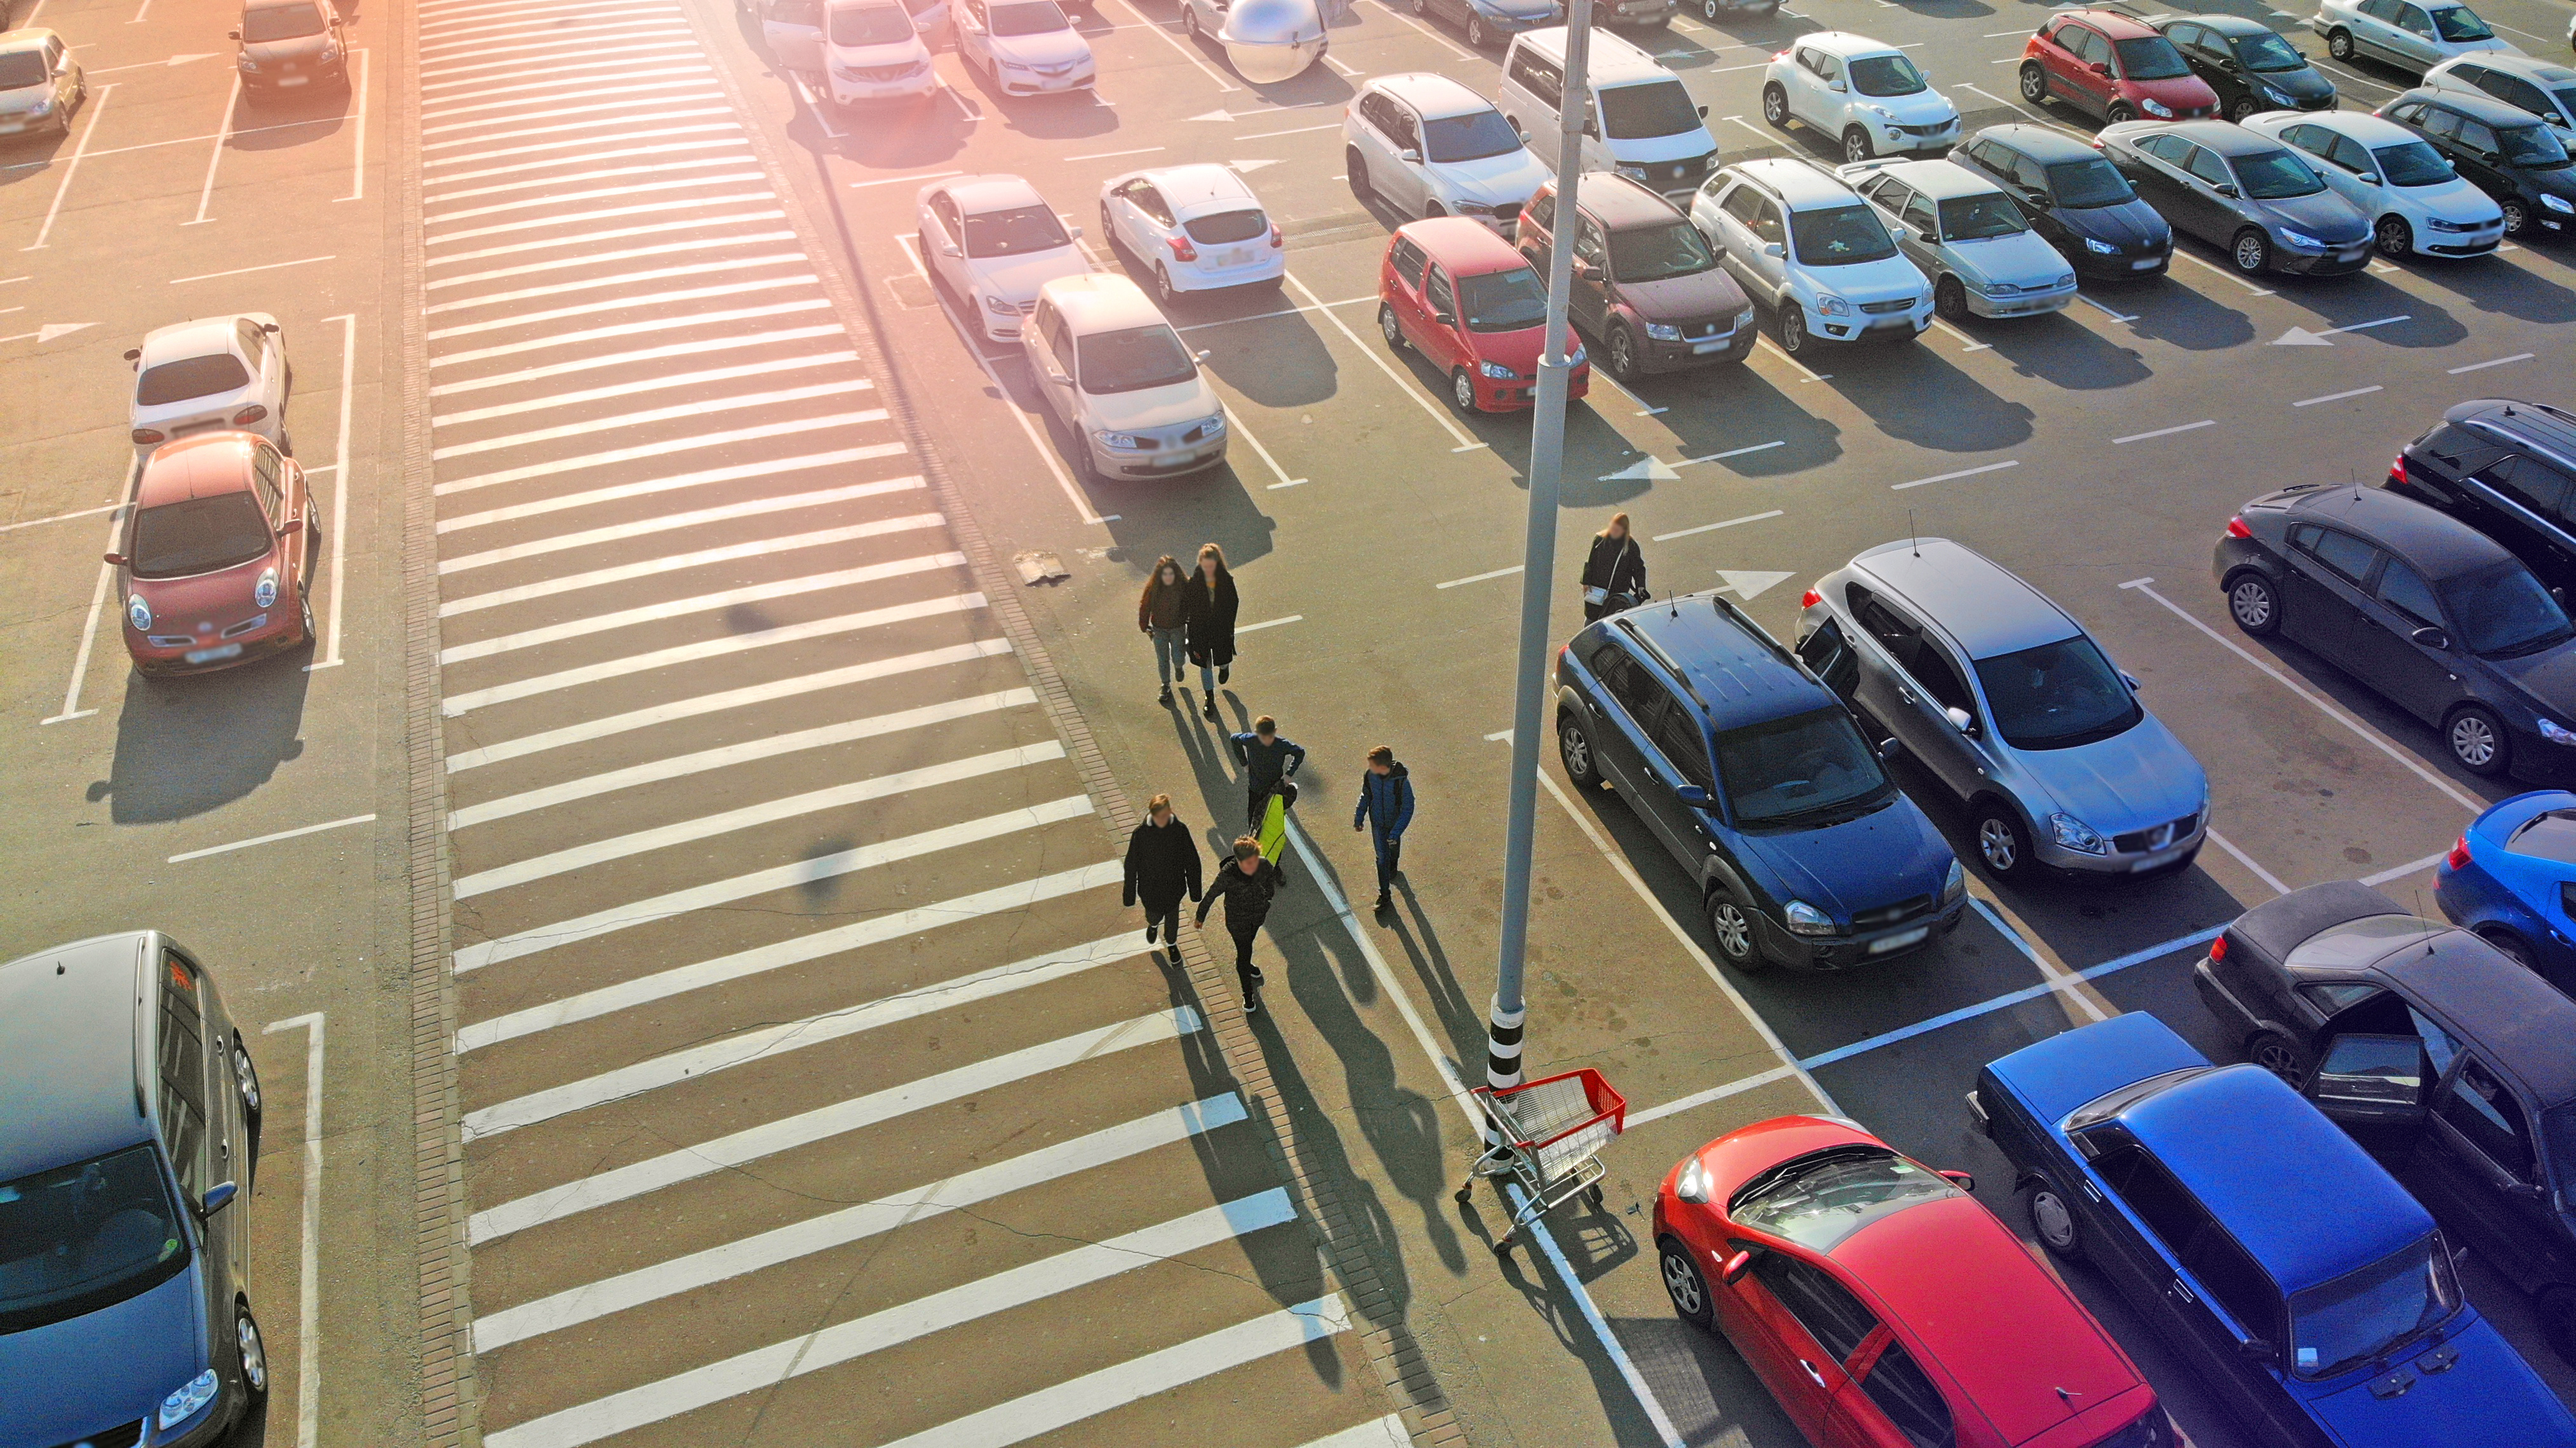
(2416, 203)
(995, 241)
(212, 373)
(1195, 228)
(1027, 47)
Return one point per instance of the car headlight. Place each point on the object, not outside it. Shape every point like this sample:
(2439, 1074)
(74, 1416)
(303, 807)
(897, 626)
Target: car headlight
(2064, 279)
(1882, 112)
(189, 1400)
(1663, 331)
(2550, 731)
(2100, 248)
(41, 107)
(2078, 836)
(1956, 884)
(1633, 173)
(1121, 441)
(2556, 203)
(249, 64)
(1692, 1185)
(1806, 919)
(330, 52)
(1578, 356)
(2276, 98)
(1210, 427)
(1832, 306)
(264, 592)
(2155, 107)
(1497, 371)
(2301, 238)
(1000, 307)
(138, 613)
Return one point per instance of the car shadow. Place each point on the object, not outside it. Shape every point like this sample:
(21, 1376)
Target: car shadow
(2419, 740)
(2496, 286)
(1722, 409)
(190, 745)
(1916, 394)
(2180, 316)
(284, 120)
(2058, 350)
(2366, 298)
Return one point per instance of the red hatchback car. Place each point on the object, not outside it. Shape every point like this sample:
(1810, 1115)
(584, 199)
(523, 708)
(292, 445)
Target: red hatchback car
(1883, 1305)
(2114, 67)
(217, 558)
(1452, 288)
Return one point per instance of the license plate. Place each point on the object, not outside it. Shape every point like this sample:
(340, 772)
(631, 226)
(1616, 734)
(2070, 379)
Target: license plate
(2146, 263)
(286, 80)
(219, 651)
(1899, 940)
(2155, 861)
(1704, 348)
(1237, 257)
(2356, 254)
(1177, 460)
(1883, 323)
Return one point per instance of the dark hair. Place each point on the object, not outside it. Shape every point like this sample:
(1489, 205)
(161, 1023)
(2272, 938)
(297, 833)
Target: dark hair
(1265, 725)
(1154, 580)
(1210, 550)
(1245, 847)
(1383, 754)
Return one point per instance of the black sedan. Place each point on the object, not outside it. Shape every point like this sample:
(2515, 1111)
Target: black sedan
(2505, 151)
(2435, 1047)
(2077, 201)
(2243, 192)
(2428, 611)
(2248, 63)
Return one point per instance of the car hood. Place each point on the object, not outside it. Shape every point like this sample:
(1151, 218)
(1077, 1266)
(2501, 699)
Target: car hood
(2547, 679)
(1712, 293)
(2471, 47)
(1687, 145)
(2024, 259)
(2453, 200)
(894, 53)
(1047, 47)
(1017, 278)
(25, 97)
(2131, 226)
(1152, 407)
(104, 1368)
(2303, 84)
(2182, 92)
(301, 49)
(1516, 350)
(1870, 281)
(2488, 1395)
(1881, 858)
(219, 598)
(1504, 180)
(2133, 781)
(1925, 107)
(2558, 182)
(1521, 9)
(2327, 217)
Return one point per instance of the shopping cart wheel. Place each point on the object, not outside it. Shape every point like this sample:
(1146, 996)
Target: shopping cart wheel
(1465, 1194)
(1503, 1248)
(1592, 1194)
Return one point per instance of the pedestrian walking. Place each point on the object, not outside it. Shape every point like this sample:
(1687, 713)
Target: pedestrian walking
(1385, 807)
(1614, 577)
(1247, 884)
(1209, 603)
(1159, 615)
(1162, 866)
(1269, 762)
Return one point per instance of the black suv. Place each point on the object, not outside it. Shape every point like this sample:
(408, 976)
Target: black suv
(2504, 151)
(2507, 469)
(1753, 774)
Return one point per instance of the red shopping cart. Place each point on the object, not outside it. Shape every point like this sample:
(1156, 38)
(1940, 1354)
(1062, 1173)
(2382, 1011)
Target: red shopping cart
(1548, 1138)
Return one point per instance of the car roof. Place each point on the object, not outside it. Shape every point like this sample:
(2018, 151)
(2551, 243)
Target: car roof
(2476, 105)
(26, 39)
(2110, 23)
(1433, 95)
(2519, 1022)
(1618, 203)
(1613, 61)
(1941, 180)
(2225, 137)
(1969, 596)
(67, 1044)
(1799, 183)
(975, 194)
(1844, 43)
(2360, 126)
(2225, 24)
(2059, 1073)
(1201, 187)
(2039, 143)
(1100, 302)
(2529, 67)
(199, 337)
(200, 465)
(2432, 542)
(1738, 675)
(2270, 1167)
(1463, 246)
(2506, 417)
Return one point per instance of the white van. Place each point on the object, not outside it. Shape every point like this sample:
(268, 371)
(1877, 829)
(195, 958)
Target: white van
(1641, 123)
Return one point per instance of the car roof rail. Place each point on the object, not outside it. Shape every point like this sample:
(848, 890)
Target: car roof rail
(1672, 666)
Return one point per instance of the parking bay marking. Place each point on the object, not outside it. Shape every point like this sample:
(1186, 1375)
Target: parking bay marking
(2337, 396)
(2498, 362)
(187, 855)
(308, 1336)
(2166, 431)
(1948, 477)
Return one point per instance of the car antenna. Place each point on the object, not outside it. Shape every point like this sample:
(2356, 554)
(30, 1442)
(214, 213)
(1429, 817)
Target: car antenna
(1672, 604)
(2417, 895)
(1911, 537)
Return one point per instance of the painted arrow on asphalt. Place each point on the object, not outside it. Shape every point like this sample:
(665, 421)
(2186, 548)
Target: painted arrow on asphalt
(2302, 337)
(1264, 111)
(1250, 165)
(1648, 469)
(49, 332)
(1745, 583)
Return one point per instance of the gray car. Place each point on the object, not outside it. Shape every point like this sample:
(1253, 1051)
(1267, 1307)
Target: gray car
(1960, 230)
(2243, 192)
(2012, 705)
(287, 45)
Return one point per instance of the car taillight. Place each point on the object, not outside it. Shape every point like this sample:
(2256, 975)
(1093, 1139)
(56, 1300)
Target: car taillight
(1783, 55)
(249, 415)
(1276, 239)
(2236, 529)
(2458, 858)
(1181, 248)
(146, 437)
(2397, 469)
(2218, 948)
(1810, 599)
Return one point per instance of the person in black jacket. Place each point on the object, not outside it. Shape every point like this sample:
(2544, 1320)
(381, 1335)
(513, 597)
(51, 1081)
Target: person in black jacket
(1209, 603)
(1247, 884)
(1614, 577)
(1162, 866)
(1385, 808)
(1269, 762)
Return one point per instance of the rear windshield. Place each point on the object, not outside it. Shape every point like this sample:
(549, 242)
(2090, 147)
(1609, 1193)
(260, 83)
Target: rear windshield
(2269, 53)
(2150, 57)
(2532, 146)
(1975, 218)
(2057, 696)
(2504, 612)
(1653, 253)
(2413, 163)
(191, 377)
(1471, 137)
(281, 22)
(1886, 75)
(1133, 360)
(2459, 22)
(1016, 232)
(78, 1238)
(1226, 227)
(1640, 112)
(1028, 17)
(1839, 236)
(1797, 769)
(1503, 301)
(21, 68)
(198, 535)
(871, 25)
(2276, 176)
(2090, 182)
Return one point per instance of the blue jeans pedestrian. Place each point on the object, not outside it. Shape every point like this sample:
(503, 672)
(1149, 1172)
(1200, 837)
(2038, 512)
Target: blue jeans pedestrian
(1390, 857)
(1171, 659)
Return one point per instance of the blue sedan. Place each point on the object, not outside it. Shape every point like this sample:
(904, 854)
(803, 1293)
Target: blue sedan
(2511, 877)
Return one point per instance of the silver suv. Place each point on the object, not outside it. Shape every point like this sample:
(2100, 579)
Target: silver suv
(2014, 707)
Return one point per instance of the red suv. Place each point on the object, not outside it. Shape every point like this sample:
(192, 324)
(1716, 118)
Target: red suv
(1453, 289)
(2113, 66)
(217, 558)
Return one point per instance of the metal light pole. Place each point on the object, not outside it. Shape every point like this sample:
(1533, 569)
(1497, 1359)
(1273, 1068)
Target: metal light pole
(1538, 559)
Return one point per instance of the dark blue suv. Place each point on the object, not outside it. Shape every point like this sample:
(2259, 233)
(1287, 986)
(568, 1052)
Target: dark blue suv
(1752, 773)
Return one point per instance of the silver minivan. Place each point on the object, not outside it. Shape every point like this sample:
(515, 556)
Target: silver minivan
(2012, 705)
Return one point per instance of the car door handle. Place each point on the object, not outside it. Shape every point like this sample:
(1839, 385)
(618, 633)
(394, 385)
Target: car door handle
(1817, 1377)
(1904, 693)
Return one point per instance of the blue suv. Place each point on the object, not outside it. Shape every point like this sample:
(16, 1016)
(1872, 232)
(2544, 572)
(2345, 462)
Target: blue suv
(1753, 774)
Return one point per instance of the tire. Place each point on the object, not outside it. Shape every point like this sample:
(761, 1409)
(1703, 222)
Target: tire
(304, 608)
(1434, 211)
(1793, 328)
(2052, 1220)
(2394, 238)
(1708, 10)
(1476, 36)
(2242, 107)
(1620, 354)
(1686, 1285)
(1462, 391)
(2003, 846)
(2119, 112)
(2250, 252)
(2557, 1307)
(2253, 603)
(1108, 233)
(2509, 945)
(2339, 44)
(1189, 21)
(1422, 9)
(2281, 1056)
(2517, 217)
(1950, 299)
(1731, 922)
(1574, 748)
(246, 1078)
(1775, 106)
(1357, 169)
(1389, 328)
(2034, 82)
(251, 1352)
(2477, 742)
(1856, 145)
(1163, 291)
(286, 442)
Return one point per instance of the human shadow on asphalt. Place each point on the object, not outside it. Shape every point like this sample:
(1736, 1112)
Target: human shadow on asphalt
(2501, 289)
(2058, 350)
(1484, 1214)
(1918, 395)
(189, 745)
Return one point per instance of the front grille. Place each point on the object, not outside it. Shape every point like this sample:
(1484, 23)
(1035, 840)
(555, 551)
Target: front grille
(1026, 307)
(125, 1436)
(2137, 841)
(1888, 309)
(886, 72)
(1925, 130)
(1702, 330)
(2438, 224)
(255, 621)
(1902, 910)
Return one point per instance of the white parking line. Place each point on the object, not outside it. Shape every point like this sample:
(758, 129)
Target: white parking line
(1285, 481)
(1973, 344)
(358, 142)
(2249, 862)
(2206, 266)
(308, 1285)
(247, 270)
(2058, 978)
(2498, 362)
(2105, 311)
(89, 629)
(1713, 527)
(898, 180)
(1699, 1099)
(1444, 42)
(1185, 52)
(775, 545)
(61, 517)
(1297, 131)
(1810, 373)
(1091, 156)
(1480, 577)
(1733, 452)
(672, 608)
(186, 855)
(2167, 431)
(2337, 396)
(97, 107)
(223, 138)
(1270, 623)
(342, 474)
(1947, 477)
(1403, 383)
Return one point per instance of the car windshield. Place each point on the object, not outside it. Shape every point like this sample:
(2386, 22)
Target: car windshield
(280, 22)
(2459, 22)
(21, 68)
(2089, 182)
(1502, 301)
(1016, 232)
(2558, 1134)
(1808, 765)
(1975, 218)
(191, 377)
(2413, 163)
(1886, 75)
(198, 535)
(1028, 17)
(2533, 146)
(2373, 1310)
(2057, 696)
(871, 25)
(1840, 236)
(1224, 228)
(1471, 137)
(1821, 1201)
(2276, 176)
(1641, 112)
(1135, 359)
(78, 1238)
(2269, 53)
(2504, 612)
(1652, 253)
(2150, 57)
(2566, 99)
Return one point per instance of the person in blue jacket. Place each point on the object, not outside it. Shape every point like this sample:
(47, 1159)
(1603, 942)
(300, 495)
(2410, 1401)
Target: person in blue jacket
(1268, 762)
(1386, 807)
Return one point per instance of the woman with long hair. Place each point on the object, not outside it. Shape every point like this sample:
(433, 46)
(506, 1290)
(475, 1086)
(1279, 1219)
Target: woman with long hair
(1209, 603)
(1159, 616)
(1614, 577)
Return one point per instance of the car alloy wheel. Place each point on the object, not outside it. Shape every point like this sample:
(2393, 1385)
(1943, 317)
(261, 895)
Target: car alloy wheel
(1856, 145)
(2119, 112)
(2252, 251)
(1389, 327)
(1575, 748)
(1462, 390)
(2477, 741)
(1189, 20)
(1775, 105)
(2034, 82)
(2394, 236)
(1109, 233)
(245, 1077)
(2253, 604)
(2339, 44)
(1623, 354)
(1733, 929)
(1357, 169)
(2000, 842)
(2054, 1221)
(1950, 299)
(1163, 285)
(1476, 32)
(304, 610)
(2516, 217)
(1793, 328)
(2240, 108)
(1684, 1284)
(1422, 8)
(1708, 9)
(2279, 1055)
(253, 1353)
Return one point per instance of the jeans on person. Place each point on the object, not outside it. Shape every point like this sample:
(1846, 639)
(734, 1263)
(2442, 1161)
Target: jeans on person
(1390, 856)
(1243, 932)
(1207, 681)
(1171, 657)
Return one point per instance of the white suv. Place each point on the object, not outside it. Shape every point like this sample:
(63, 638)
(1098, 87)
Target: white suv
(1428, 146)
(871, 53)
(1867, 95)
(1804, 244)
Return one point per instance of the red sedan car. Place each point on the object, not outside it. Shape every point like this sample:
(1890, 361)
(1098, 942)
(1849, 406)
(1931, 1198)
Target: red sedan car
(1883, 1305)
(2114, 67)
(217, 558)
(1472, 305)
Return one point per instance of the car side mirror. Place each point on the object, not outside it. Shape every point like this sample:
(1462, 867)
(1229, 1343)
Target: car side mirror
(2227, 65)
(1202, 355)
(2225, 188)
(232, 35)
(1443, 319)
(133, 354)
(2101, 67)
(951, 249)
(1586, 270)
(218, 1197)
(2523, 1191)
(1059, 379)
(114, 560)
(2257, 1350)
(1962, 1180)
(1735, 1267)
(2431, 638)
(1890, 750)
(291, 526)
(1960, 719)
(1896, 232)
(1703, 113)
(2559, 594)
(2033, 196)
(268, 327)
(1773, 248)
(1837, 87)
(1074, 231)
(1692, 795)
(2131, 680)
(1409, 156)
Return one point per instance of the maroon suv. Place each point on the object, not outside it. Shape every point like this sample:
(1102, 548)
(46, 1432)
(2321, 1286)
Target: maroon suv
(1648, 290)
(2114, 67)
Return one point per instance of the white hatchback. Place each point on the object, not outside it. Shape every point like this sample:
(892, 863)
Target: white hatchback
(2416, 203)
(1196, 228)
(872, 53)
(213, 373)
(1869, 96)
(995, 241)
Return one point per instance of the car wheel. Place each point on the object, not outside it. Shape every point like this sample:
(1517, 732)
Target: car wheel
(1856, 145)
(1793, 327)
(1950, 299)
(1621, 354)
(1422, 8)
(2002, 844)
(1575, 748)
(2279, 1055)
(1434, 211)
(1685, 1286)
(2240, 108)
(2034, 82)
(2395, 238)
(2119, 112)
(2052, 1220)
(1462, 390)
(1775, 105)
(1189, 21)
(2253, 603)
(245, 1077)
(2251, 251)
(1708, 10)
(2339, 44)
(1476, 36)
(304, 610)
(1163, 287)
(2477, 741)
(1357, 170)
(2558, 1321)
(1732, 923)
(2509, 945)
(252, 1353)
(1389, 328)
(2517, 217)
(1109, 233)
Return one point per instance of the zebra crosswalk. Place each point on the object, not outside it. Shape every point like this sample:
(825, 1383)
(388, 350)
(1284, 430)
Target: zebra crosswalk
(816, 1088)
